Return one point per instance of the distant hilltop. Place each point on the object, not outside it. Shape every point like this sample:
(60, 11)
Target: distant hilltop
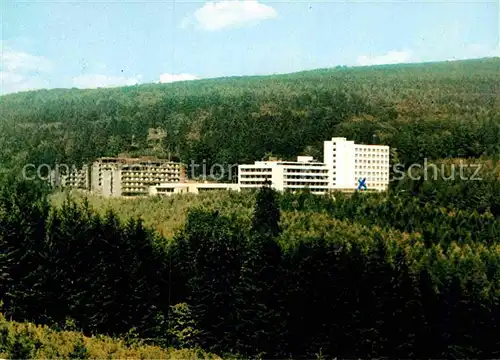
(430, 110)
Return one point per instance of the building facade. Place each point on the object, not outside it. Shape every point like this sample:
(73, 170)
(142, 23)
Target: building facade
(351, 165)
(71, 178)
(285, 175)
(346, 167)
(133, 176)
(168, 189)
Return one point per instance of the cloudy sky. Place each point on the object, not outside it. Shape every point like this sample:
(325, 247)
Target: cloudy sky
(86, 44)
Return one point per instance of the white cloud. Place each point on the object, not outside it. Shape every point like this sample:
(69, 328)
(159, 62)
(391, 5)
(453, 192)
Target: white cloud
(98, 80)
(10, 77)
(21, 71)
(450, 53)
(475, 51)
(391, 57)
(169, 78)
(19, 61)
(232, 13)
(11, 82)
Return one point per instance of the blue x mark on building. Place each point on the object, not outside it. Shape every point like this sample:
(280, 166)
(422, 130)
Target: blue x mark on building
(362, 184)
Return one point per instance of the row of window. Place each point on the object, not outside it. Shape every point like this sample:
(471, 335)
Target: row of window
(103, 162)
(256, 170)
(372, 167)
(312, 171)
(306, 177)
(295, 183)
(170, 190)
(144, 174)
(373, 185)
(316, 190)
(143, 180)
(372, 149)
(247, 182)
(286, 170)
(129, 183)
(372, 161)
(75, 184)
(139, 170)
(385, 173)
(148, 177)
(378, 179)
(212, 189)
(75, 175)
(371, 155)
(301, 164)
(133, 193)
(134, 189)
(264, 176)
(367, 155)
(165, 190)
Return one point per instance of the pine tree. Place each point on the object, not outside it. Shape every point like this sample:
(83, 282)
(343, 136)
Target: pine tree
(24, 209)
(266, 216)
(216, 247)
(260, 311)
(259, 292)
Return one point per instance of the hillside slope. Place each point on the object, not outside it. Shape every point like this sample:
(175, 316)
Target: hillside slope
(433, 110)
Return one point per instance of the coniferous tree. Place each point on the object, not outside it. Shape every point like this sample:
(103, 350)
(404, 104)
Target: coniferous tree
(260, 311)
(24, 210)
(216, 246)
(266, 216)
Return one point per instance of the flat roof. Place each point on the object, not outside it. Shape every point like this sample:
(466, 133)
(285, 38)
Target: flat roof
(286, 163)
(145, 159)
(197, 184)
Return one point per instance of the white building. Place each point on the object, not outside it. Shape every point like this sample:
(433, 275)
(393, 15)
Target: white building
(350, 165)
(167, 189)
(285, 175)
(133, 176)
(346, 167)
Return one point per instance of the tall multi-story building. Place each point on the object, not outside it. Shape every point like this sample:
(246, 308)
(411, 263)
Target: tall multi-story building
(133, 176)
(351, 165)
(285, 175)
(79, 179)
(75, 178)
(346, 166)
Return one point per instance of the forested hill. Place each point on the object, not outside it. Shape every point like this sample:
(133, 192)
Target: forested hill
(433, 110)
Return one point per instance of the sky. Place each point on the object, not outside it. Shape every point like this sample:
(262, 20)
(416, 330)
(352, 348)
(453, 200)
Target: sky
(89, 44)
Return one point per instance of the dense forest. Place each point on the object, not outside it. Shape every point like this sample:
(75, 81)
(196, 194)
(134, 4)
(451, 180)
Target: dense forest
(300, 276)
(434, 111)
(413, 272)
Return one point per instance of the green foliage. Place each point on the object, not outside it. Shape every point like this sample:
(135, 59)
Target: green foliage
(212, 239)
(168, 215)
(27, 341)
(266, 216)
(411, 273)
(24, 345)
(182, 327)
(347, 275)
(80, 351)
(371, 271)
(430, 111)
